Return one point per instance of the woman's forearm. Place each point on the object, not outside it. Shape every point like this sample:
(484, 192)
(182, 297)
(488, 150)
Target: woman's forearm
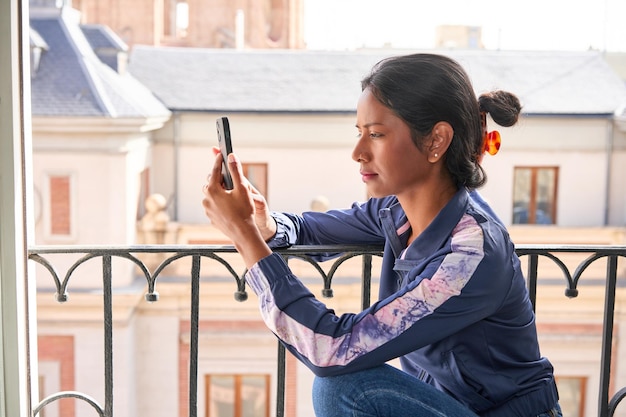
(251, 246)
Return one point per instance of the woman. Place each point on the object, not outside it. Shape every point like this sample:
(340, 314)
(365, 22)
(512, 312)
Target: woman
(453, 304)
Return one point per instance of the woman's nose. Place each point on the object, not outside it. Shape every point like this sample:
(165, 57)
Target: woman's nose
(357, 152)
(358, 155)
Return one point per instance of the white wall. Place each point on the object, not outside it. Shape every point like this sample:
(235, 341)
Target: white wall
(307, 156)
(617, 208)
(105, 171)
(576, 146)
(580, 194)
(310, 155)
(107, 184)
(156, 357)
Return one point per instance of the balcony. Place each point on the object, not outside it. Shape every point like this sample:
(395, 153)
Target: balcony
(188, 272)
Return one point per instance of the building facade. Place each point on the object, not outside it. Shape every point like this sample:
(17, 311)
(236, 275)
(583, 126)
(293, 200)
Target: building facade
(101, 147)
(200, 23)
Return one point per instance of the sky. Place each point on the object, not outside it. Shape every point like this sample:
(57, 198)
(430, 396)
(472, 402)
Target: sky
(563, 25)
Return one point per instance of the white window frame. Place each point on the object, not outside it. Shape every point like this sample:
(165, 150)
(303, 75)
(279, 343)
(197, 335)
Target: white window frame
(18, 334)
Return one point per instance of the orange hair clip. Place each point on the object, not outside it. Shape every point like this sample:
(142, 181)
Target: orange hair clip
(491, 140)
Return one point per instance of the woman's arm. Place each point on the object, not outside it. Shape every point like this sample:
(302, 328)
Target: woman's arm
(356, 225)
(233, 211)
(446, 292)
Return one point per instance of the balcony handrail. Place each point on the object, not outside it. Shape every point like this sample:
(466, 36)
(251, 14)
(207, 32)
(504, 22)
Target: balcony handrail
(606, 406)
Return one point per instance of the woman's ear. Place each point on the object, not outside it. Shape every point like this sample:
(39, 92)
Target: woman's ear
(440, 140)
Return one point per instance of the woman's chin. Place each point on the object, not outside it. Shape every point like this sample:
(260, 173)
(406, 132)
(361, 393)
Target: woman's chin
(376, 193)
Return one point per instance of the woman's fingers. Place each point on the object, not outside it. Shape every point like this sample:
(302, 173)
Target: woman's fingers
(216, 172)
(236, 170)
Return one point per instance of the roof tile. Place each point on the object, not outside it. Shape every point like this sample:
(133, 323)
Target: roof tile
(318, 81)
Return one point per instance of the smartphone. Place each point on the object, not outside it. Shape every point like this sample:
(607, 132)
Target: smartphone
(226, 147)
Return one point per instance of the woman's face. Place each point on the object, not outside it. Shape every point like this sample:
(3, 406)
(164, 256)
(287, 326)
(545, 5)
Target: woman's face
(391, 164)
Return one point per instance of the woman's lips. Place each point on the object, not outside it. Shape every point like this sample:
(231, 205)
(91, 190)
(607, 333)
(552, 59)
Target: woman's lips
(367, 176)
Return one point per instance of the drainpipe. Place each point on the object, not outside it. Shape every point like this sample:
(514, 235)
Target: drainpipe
(609, 166)
(176, 143)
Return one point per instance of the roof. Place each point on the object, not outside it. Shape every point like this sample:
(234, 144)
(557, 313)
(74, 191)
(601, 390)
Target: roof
(71, 81)
(109, 47)
(103, 37)
(193, 79)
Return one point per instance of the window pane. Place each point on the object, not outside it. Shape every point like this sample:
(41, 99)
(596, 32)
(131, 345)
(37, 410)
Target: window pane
(534, 195)
(571, 395)
(60, 221)
(222, 396)
(254, 396)
(545, 195)
(182, 18)
(237, 395)
(521, 195)
(257, 175)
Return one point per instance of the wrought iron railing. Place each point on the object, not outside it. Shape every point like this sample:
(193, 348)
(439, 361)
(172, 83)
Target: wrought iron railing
(607, 403)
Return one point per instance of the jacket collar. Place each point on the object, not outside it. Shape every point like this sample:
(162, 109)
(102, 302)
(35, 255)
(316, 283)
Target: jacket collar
(397, 230)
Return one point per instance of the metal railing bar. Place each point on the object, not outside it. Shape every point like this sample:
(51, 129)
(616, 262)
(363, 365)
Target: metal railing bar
(193, 343)
(366, 285)
(526, 248)
(602, 250)
(606, 405)
(531, 279)
(96, 250)
(108, 335)
(617, 398)
(607, 336)
(281, 369)
(69, 394)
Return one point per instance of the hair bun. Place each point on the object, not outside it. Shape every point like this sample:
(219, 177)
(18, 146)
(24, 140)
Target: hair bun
(503, 107)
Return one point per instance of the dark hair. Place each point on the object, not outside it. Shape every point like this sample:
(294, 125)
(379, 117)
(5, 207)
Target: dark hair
(424, 89)
(503, 107)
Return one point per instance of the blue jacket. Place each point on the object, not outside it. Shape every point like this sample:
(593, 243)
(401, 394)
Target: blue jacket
(453, 306)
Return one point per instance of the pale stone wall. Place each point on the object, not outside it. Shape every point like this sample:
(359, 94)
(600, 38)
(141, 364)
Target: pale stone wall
(311, 155)
(266, 24)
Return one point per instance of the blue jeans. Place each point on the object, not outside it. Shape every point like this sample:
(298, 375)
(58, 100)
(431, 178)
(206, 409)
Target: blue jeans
(386, 391)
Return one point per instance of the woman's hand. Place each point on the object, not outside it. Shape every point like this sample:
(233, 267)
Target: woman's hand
(233, 212)
(262, 217)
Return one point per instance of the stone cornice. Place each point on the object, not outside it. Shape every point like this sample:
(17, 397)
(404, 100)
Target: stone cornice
(96, 125)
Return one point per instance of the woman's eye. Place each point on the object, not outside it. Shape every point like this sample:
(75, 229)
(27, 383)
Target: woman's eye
(372, 135)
